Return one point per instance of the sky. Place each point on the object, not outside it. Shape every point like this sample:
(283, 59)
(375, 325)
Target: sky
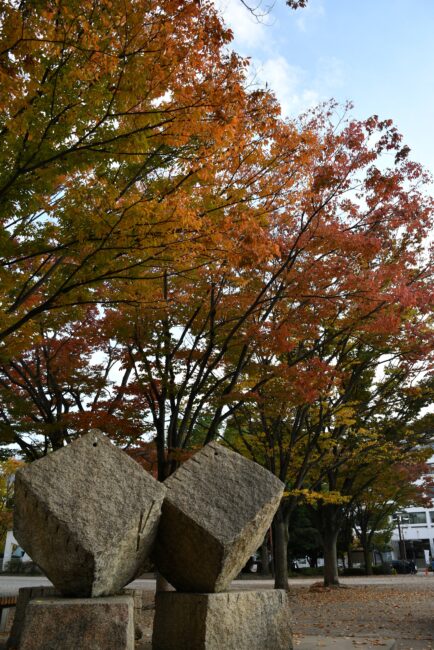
(378, 54)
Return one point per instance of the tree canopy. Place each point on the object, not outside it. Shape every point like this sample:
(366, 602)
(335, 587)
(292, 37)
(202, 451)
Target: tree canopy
(179, 263)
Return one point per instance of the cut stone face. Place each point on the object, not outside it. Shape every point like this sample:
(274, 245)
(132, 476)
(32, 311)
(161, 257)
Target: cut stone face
(79, 623)
(243, 620)
(88, 516)
(217, 510)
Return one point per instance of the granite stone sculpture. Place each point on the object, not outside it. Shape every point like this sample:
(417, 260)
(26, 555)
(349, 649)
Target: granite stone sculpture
(87, 515)
(217, 510)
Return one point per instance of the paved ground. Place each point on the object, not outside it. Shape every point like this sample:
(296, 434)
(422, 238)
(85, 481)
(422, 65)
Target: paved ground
(378, 609)
(402, 610)
(11, 584)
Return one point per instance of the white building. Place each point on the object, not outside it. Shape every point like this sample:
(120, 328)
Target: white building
(13, 551)
(413, 537)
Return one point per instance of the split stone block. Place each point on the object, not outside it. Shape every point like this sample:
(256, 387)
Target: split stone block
(79, 624)
(88, 516)
(217, 510)
(243, 620)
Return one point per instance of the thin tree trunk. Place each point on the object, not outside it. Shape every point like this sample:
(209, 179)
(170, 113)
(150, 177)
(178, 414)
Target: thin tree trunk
(330, 536)
(367, 556)
(265, 562)
(280, 538)
(365, 540)
(349, 557)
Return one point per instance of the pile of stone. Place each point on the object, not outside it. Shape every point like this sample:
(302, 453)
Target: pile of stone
(90, 516)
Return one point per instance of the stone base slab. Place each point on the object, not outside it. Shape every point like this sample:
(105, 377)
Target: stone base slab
(25, 595)
(78, 624)
(236, 620)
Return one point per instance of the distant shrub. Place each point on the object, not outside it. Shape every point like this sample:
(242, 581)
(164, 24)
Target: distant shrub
(354, 571)
(310, 571)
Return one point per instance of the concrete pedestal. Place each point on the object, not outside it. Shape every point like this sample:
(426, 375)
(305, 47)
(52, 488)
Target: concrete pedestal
(78, 624)
(236, 620)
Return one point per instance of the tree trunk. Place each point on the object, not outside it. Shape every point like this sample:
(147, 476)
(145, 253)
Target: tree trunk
(280, 539)
(265, 561)
(330, 530)
(349, 557)
(367, 556)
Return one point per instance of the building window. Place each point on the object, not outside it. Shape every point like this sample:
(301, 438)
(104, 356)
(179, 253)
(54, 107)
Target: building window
(431, 514)
(415, 548)
(415, 518)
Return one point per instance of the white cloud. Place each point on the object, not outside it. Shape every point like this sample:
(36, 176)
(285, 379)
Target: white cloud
(330, 73)
(288, 82)
(295, 88)
(250, 31)
(309, 16)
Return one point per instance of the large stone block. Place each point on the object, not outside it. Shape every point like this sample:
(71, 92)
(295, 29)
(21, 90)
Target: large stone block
(88, 516)
(217, 510)
(243, 620)
(79, 624)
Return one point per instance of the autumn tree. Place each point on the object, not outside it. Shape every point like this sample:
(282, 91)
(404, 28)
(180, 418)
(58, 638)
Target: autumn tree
(398, 486)
(135, 165)
(8, 467)
(67, 381)
(106, 117)
(293, 274)
(232, 249)
(363, 441)
(138, 170)
(285, 267)
(300, 423)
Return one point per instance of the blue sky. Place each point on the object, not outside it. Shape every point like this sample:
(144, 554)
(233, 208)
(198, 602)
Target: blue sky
(377, 53)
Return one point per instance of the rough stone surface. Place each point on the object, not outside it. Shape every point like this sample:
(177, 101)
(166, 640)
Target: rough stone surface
(143, 608)
(79, 624)
(218, 508)
(25, 595)
(244, 620)
(88, 516)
